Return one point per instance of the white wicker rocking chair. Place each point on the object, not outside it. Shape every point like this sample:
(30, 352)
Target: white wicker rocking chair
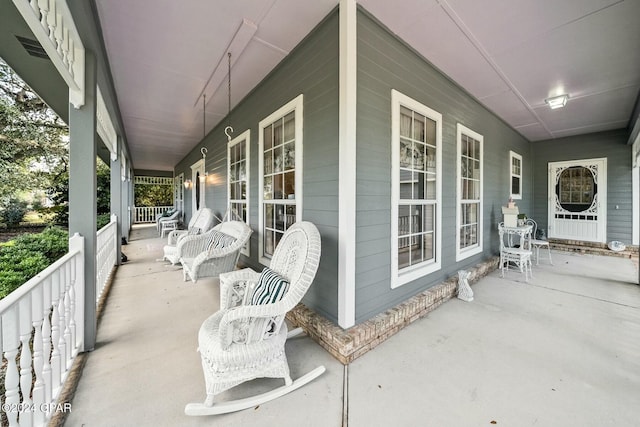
(200, 223)
(244, 341)
(201, 259)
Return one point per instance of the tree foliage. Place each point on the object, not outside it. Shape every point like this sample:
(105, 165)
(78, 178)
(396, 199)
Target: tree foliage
(58, 192)
(153, 195)
(33, 139)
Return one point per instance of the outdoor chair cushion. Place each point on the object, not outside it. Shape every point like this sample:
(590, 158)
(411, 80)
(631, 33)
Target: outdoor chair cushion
(271, 287)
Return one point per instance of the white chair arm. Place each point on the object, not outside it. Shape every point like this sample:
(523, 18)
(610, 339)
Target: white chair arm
(189, 246)
(234, 287)
(175, 236)
(245, 314)
(223, 259)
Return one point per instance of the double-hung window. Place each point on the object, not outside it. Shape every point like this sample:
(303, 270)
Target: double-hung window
(238, 173)
(469, 193)
(416, 194)
(280, 175)
(515, 175)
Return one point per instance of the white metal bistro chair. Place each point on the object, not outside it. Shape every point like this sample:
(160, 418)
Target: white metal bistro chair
(246, 338)
(165, 224)
(214, 252)
(200, 223)
(536, 244)
(519, 256)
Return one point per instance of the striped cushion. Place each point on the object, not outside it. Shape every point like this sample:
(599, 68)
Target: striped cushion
(219, 240)
(271, 288)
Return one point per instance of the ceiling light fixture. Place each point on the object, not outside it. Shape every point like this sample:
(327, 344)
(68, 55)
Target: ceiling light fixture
(557, 101)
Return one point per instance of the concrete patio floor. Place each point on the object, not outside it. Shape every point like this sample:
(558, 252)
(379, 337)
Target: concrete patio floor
(562, 350)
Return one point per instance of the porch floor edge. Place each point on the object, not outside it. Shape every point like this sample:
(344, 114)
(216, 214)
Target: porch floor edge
(346, 345)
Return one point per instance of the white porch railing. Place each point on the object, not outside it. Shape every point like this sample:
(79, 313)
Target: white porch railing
(106, 249)
(149, 214)
(49, 310)
(42, 324)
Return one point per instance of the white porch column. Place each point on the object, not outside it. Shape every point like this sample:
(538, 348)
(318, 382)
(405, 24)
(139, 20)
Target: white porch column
(635, 171)
(347, 165)
(131, 201)
(116, 196)
(125, 195)
(82, 191)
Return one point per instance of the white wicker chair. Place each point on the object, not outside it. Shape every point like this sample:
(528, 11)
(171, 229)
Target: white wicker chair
(241, 341)
(519, 256)
(536, 244)
(200, 223)
(199, 261)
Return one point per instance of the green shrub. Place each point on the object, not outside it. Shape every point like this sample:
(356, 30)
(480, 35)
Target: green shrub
(53, 243)
(13, 212)
(102, 220)
(9, 281)
(29, 254)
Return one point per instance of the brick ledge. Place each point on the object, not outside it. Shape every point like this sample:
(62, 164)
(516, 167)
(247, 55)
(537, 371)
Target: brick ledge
(347, 345)
(592, 248)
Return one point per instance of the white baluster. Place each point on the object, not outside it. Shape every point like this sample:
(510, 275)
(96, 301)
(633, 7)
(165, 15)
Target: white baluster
(35, 8)
(72, 310)
(62, 345)
(65, 46)
(55, 332)
(26, 379)
(10, 345)
(38, 356)
(71, 57)
(43, 5)
(58, 35)
(51, 21)
(67, 320)
(47, 373)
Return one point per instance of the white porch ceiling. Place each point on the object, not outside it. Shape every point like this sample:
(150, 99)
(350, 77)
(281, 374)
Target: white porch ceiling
(509, 55)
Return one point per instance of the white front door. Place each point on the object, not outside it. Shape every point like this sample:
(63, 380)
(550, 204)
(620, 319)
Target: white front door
(578, 200)
(197, 186)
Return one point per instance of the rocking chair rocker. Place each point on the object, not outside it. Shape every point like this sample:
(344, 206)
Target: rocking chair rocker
(246, 338)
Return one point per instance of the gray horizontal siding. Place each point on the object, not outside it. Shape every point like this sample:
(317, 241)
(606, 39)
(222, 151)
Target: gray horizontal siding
(310, 69)
(611, 145)
(385, 63)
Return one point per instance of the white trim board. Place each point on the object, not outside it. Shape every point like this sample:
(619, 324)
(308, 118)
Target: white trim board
(347, 165)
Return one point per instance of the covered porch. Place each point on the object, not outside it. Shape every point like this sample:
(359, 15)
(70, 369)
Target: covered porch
(541, 352)
(562, 350)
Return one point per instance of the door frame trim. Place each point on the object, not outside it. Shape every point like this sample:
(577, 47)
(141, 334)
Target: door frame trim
(602, 195)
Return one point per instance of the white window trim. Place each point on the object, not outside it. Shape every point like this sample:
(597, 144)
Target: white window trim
(294, 105)
(244, 136)
(178, 193)
(399, 278)
(475, 249)
(514, 155)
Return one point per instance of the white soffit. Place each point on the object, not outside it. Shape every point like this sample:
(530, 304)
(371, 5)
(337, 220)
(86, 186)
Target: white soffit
(508, 55)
